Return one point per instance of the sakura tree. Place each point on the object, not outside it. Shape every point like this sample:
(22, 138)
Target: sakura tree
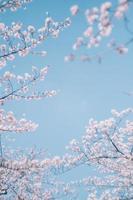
(107, 149)
(25, 174)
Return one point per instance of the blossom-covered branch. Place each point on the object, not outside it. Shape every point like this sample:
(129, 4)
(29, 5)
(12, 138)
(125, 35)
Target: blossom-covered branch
(108, 147)
(16, 40)
(101, 23)
(19, 87)
(9, 123)
(12, 5)
(31, 178)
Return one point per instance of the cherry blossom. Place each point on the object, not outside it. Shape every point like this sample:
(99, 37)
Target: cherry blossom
(13, 5)
(26, 174)
(8, 123)
(101, 21)
(17, 87)
(29, 177)
(74, 10)
(107, 147)
(17, 40)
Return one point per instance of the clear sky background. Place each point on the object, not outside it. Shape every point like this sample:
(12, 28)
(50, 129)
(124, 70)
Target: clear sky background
(86, 90)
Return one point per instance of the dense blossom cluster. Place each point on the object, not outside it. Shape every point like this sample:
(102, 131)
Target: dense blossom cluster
(12, 5)
(108, 147)
(15, 40)
(23, 176)
(100, 24)
(17, 87)
(28, 177)
(9, 123)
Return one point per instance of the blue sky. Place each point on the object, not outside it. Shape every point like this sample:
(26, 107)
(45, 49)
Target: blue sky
(86, 90)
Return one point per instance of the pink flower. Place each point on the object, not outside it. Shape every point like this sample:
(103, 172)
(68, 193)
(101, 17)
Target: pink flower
(88, 32)
(74, 10)
(2, 26)
(2, 62)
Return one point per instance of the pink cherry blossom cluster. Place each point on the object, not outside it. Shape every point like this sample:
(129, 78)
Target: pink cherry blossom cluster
(31, 177)
(17, 87)
(103, 18)
(101, 22)
(12, 5)
(74, 10)
(8, 123)
(122, 8)
(24, 175)
(107, 146)
(15, 40)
